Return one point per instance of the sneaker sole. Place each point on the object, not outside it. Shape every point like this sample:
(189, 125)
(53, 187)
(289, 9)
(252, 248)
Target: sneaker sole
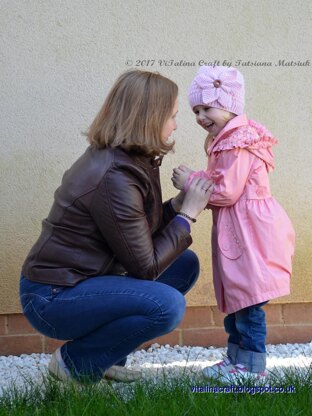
(122, 374)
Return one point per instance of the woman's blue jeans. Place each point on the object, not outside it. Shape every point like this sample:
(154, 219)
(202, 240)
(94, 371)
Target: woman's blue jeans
(247, 335)
(107, 317)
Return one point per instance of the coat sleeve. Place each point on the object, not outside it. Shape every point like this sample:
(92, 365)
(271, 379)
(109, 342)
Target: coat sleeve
(230, 176)
(199, 174)
(118, 210)
(168, 212)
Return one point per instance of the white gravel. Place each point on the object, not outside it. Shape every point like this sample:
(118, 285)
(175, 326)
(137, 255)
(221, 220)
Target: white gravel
(158, 362)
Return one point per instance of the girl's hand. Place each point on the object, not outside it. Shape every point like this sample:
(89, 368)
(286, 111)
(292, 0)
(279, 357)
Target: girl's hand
(180, 176)
(185, 169)
(197, 196)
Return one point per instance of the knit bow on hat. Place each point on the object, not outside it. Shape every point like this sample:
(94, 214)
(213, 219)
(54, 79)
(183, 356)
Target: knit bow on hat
(219, 87)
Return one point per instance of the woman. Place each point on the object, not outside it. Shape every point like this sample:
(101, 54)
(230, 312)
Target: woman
(110, 267)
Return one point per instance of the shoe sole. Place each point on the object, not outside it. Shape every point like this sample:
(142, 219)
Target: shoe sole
(122, 374)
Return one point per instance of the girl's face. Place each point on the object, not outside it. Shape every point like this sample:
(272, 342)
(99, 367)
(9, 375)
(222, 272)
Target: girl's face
(212, 119)
(171, 124)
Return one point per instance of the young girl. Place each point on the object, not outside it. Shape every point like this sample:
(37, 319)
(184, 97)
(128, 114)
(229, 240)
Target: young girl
(252, 236)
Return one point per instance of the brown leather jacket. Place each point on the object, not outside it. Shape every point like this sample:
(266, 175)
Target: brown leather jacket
(107, 218)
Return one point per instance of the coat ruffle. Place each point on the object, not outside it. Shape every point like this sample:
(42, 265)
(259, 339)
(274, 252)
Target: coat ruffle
(253, 136)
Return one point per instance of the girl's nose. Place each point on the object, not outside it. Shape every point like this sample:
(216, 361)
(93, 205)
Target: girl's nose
(200, 116)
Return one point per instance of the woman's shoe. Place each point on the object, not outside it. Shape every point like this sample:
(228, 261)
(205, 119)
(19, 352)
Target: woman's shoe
(118, 373)
(57, 368)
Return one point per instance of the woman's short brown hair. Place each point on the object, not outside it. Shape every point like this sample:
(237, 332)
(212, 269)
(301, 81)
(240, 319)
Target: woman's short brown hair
(134, 113)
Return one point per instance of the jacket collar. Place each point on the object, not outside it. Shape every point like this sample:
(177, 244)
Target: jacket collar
(233, 124)
(146, 162)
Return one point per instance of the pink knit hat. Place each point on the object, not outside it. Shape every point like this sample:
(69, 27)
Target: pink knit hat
(218, 87)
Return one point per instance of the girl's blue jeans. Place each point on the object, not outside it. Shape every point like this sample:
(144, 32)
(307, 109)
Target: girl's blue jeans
(247, 335)
(107, 317)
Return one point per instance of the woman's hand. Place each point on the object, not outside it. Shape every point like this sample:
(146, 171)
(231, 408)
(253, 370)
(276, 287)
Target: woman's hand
(180, 176)
(197, 196)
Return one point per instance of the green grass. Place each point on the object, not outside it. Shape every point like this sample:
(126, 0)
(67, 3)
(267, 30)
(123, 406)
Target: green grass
(167, 398)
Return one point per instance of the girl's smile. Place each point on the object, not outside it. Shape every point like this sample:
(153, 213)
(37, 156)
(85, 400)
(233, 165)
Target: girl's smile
(212, 119)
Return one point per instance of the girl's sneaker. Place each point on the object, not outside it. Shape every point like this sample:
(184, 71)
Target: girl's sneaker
(240, 372)
(219, 370)
(225, 371)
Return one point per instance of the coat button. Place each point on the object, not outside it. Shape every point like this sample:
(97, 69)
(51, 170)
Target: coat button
(259, 192)
(225, 247)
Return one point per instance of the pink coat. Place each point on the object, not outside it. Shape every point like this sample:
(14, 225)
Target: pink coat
(252, 236)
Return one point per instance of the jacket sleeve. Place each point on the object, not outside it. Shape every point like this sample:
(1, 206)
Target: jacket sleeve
(118, 210)
(230, 176)
(168, 212)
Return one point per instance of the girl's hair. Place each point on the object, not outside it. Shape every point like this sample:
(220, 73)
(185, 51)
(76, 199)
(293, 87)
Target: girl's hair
(208, 142)
(209, 139)
(134, 113)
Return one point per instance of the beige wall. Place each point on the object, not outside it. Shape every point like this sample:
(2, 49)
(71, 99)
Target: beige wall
(58, 60)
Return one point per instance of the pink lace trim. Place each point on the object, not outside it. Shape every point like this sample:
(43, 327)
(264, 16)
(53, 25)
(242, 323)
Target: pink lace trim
(255, 136)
